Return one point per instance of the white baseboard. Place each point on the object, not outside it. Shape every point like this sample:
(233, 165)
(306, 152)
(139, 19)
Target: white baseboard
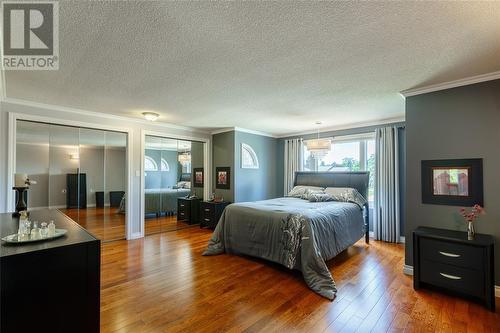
(135, 236)
(401, 238)
(408, 270)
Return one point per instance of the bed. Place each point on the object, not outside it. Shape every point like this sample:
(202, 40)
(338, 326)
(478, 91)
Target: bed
(294, 232)
(159, 201)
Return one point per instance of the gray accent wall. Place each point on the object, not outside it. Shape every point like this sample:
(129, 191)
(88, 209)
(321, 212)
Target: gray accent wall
(261, 183)
(197, 162)
(223, 156)
(461, 122)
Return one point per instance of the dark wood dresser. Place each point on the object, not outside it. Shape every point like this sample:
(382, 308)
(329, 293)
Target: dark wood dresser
(51, 286)
(211, 212)
(445, 259)
(188, 210)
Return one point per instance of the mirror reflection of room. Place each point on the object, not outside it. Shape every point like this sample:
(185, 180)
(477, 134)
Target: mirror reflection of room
(79, 171)
(168, 167)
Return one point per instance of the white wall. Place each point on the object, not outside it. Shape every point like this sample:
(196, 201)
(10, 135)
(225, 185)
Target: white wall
(97, 121)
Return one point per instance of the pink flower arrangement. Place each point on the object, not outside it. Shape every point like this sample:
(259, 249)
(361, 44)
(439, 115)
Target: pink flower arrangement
(473, 214)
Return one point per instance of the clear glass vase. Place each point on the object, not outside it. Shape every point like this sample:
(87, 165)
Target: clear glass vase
(470, 231)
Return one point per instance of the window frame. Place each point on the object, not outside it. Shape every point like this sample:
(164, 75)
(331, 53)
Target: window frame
(362, 140)
(253, 155)
(162, 163)
(150, 159)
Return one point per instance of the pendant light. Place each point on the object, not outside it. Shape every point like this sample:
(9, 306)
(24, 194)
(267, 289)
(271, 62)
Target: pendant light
(319, 147)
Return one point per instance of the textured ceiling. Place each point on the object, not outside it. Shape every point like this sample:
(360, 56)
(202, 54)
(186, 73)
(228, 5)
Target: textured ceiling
(275, 67)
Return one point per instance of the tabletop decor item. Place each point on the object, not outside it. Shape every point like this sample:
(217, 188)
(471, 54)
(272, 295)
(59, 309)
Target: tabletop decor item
(470, 216)
(36, 235)
(22, 183)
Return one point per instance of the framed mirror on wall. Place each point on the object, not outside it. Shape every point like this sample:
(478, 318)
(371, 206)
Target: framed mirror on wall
(170, 194)
(80, 171)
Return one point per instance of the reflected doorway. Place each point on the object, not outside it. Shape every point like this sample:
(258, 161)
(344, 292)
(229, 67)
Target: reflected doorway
(169, 183)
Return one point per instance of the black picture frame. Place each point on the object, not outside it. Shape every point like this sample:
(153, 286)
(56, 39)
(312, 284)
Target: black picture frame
(196, 181)
(223, 178)
(474, 195)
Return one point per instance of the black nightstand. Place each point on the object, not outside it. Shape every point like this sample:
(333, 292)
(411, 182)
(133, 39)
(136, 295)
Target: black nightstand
(447, 260)
(210, 213)
(188, 210)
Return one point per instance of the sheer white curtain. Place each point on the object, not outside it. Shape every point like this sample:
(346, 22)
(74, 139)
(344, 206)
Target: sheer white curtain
(386, 226)
(294, 152)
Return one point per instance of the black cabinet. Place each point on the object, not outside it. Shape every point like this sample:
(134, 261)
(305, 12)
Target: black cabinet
(76, 190)
(211, 212)
(51, 286)
(188, 210)
(445, 259)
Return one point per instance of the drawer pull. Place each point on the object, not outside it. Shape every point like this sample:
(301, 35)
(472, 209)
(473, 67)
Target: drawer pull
(182, 205)
(207, 209)
(182, 213)
(451, 277)
(447, 254)
(207, 220)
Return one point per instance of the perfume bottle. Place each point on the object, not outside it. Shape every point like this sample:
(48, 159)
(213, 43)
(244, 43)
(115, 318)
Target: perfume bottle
(44, 230)
(27, 228)
(51, 229)
(35, 231)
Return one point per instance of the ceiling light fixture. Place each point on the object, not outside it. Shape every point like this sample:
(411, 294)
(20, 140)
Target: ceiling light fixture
(184, 158)
(319, 147)
(151, 116)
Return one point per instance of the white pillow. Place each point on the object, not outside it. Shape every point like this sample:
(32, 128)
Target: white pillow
(301, 190)
(337, 190)
(184, 184)
(346, 194)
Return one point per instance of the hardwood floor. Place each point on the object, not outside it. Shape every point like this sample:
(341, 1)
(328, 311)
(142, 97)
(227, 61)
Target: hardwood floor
(155, 225)
(107, 224)
(162, 284)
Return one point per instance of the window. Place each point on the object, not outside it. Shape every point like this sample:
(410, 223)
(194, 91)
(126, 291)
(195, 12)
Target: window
(150, 164)
(348, 153)
(249, 158)
(164, 165)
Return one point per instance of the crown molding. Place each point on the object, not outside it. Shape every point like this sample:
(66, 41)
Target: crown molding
(82, 112)
(347, 126)
(451, 84)
(244, 130)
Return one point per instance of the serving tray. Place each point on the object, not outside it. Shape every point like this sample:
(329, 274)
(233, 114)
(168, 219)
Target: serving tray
(13, 239)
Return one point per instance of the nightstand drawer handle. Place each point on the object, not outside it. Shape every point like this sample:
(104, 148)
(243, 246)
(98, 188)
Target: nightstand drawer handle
(182, 205)
(207, 209)
(208, 220)
(447, 254)
(451, 277)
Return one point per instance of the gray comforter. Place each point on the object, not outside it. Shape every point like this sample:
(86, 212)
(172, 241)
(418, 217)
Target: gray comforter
(293, 232)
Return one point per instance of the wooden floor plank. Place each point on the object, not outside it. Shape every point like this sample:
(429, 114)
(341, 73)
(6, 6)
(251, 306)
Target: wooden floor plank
(162, 283)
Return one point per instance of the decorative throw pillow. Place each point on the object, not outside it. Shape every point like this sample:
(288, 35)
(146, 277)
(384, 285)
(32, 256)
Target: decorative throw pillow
(300, 191)
(320, 197)
(346, 194)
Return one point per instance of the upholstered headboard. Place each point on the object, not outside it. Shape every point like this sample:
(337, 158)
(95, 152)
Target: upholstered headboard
(353, 179)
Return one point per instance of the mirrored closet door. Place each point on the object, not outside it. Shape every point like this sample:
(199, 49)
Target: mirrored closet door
(169, 185)
(79, 171)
